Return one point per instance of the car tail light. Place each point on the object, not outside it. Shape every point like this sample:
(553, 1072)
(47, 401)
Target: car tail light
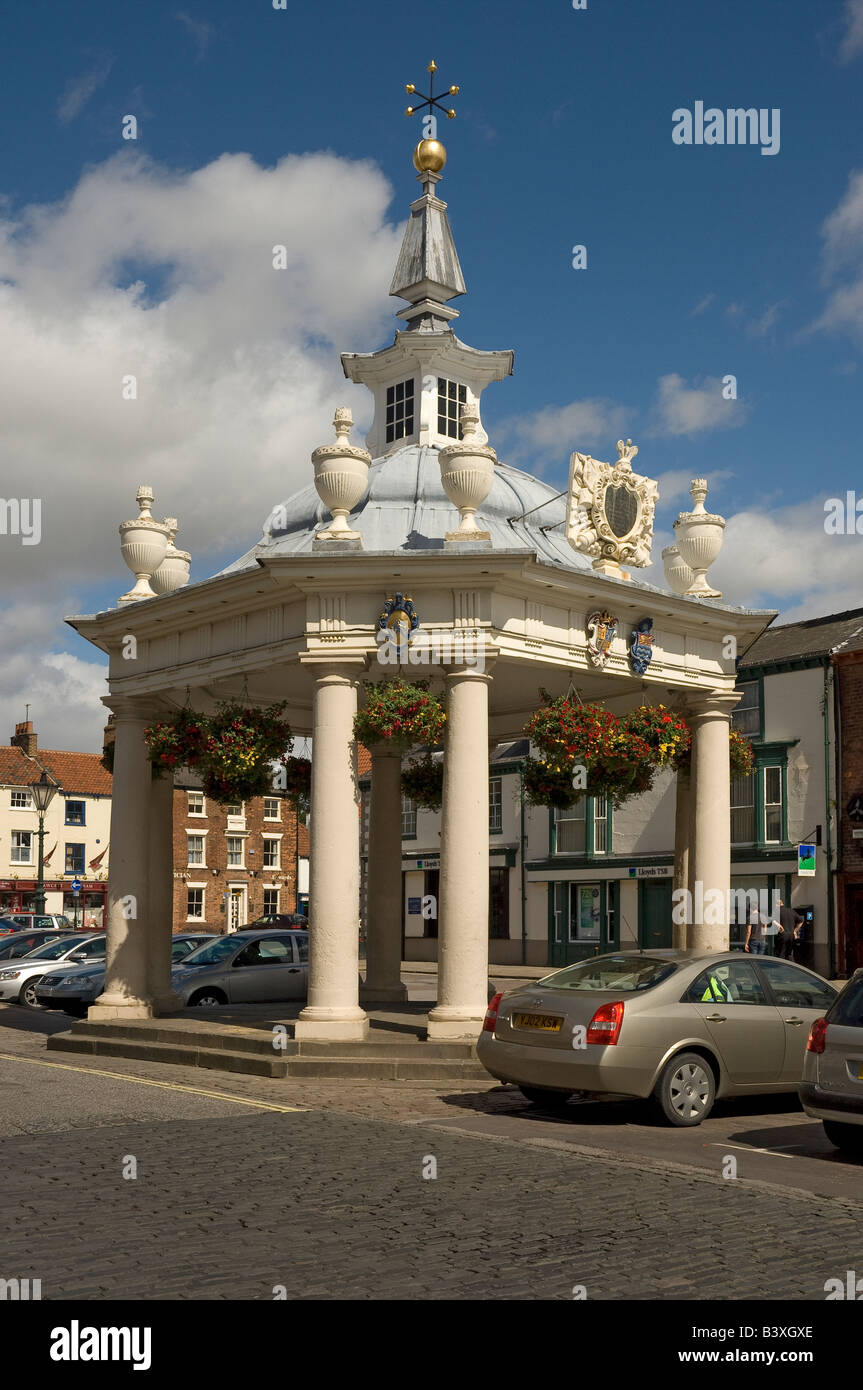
(491, 1014)
(817, 1036)
(604, 1027)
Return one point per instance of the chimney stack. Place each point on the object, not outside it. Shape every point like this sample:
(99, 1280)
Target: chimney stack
(24, 738)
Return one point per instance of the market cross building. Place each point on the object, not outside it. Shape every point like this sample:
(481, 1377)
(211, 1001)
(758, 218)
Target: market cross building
(494, 561)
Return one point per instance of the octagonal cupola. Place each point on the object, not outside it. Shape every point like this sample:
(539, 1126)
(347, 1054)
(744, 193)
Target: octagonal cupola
(427, 376)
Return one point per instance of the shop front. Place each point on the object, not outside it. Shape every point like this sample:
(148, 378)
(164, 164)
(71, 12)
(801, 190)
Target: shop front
(87, 906)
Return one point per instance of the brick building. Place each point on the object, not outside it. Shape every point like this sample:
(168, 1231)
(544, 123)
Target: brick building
(234, 863)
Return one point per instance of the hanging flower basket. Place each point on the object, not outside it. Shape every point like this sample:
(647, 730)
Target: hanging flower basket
(177, 741)
(297, 779)
(740, 755)
(666, 732)
(422, 781)
(617, 761)
(240, 747)
(546, 785)
(401, 714)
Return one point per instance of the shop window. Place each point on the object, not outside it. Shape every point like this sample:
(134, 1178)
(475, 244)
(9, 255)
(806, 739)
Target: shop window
(74, 859)
(194, 904)
(584, 923)
(75, 813)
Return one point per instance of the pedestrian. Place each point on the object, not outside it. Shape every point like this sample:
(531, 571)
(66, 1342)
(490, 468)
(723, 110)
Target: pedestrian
(790, 926)
(754, 942)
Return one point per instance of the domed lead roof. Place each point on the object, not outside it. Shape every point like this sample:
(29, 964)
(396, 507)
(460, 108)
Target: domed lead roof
(406, 509)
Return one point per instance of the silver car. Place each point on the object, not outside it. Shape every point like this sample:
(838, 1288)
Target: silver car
(18, 979)
(75, 990)
(680, 1028)
(245, 967)
(832, 1086)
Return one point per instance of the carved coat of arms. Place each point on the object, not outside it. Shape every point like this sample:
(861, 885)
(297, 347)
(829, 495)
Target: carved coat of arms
(609, 510)
(641, 646)
(601, 632)
(398, 620)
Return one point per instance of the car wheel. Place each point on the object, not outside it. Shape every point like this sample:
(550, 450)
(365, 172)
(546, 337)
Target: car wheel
(27, 994)
(686, 1090)
(549, 1100)
(849, 1138)
(207, 999)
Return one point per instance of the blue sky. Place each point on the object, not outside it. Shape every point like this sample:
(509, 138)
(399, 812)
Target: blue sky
(702, 261)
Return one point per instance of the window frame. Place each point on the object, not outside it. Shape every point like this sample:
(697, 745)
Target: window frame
(409, 818)
(229, 851)
(75, 801)
(78, 867)
(196, 815)
(495, 804)
(268, 910)
(269, 841)
(591, 820)
(448, 400)
(277, 802)
(756, 735)
(396, 423)
(196, 888)
(30, 836)
(196, 835)
(26, 804)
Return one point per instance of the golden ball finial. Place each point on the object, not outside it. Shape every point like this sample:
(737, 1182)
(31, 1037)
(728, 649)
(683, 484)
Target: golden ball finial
(429, 155)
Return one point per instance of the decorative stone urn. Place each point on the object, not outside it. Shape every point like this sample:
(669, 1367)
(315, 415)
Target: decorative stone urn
(699, 540)
(678, 575)
(341, 478)
(144, 546)
(467, 473)
(173, 573)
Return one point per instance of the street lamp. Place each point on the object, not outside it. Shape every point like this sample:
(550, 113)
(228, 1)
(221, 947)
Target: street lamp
(42, 793)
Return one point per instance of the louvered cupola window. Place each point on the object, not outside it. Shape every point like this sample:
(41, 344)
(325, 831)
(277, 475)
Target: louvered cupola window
(450, 399)
(400, 411)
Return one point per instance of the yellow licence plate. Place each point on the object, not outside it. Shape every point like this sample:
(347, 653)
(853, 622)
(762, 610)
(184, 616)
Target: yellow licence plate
(543, 1023)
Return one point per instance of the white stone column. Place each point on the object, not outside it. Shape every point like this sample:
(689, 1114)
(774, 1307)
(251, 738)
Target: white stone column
(127, 991)
(160, 911)
(710, 854)
(463, 909)
(333, 1011)
(682, 847)
(383, 983)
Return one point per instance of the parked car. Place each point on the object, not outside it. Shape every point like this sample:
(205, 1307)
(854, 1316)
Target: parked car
(19, 978)
(249, 966)
(76, 989)
(19, 943)
(7, 926)
(285, 920)
(832, 1085)
(25, 921)
(679, 1028)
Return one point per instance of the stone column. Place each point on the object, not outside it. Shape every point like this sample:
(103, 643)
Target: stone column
(463, 909)
(384, 881)
(682, 837)
(160, 911)
(127, 990)
(333, 1011)
(710, 855)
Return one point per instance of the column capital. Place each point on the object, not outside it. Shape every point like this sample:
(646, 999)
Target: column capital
(385, 750)
(460, 671)
(324, 664)
(135, 707)
(713, 704)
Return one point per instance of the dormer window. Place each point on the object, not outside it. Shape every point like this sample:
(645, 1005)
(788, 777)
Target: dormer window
(450, 399)
(400, 411)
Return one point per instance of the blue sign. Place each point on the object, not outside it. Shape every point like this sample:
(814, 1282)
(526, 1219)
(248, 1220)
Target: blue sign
(77, 885)
(414, 906)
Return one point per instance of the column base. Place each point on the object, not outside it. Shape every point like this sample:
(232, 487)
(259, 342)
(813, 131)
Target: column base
(167, 1003)
(449, 1023)
(384, 994)
(332, 1024)
(120, 1012)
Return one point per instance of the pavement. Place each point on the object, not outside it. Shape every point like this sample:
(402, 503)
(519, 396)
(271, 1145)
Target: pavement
(126, 1179)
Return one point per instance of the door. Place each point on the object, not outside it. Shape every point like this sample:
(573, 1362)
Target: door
(236, 909)
(654, 913)
(577, 921)
(739, 1019)
(800, 998)
(265, 969)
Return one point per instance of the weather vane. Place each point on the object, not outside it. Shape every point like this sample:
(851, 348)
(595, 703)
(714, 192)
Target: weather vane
(430, 101)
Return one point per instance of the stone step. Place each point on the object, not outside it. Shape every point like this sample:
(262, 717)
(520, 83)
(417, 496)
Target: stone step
(260, 1040)
(213, 1059)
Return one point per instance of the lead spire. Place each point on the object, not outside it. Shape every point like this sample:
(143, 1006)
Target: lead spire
(428, 273)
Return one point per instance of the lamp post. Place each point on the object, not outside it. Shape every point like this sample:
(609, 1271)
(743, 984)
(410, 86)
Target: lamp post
(43, 794)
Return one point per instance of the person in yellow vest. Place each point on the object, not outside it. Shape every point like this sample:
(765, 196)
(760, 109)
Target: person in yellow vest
(715, 991)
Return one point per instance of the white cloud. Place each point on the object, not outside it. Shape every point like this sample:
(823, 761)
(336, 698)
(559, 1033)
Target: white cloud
(555, 432)
(702, 304)
(200, 31)
(842, 263)
(169, 277)
(767, 321)
(851, 43)
(80, 89)
(63, 690)
(674, 486)
(682, 409)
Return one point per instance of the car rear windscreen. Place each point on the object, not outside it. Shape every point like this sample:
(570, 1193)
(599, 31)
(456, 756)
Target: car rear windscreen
(619, 973)
(848, 1008)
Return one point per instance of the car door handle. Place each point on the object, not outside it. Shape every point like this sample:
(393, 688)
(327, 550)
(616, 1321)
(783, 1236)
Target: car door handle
(715, 1018)
(795, 1022)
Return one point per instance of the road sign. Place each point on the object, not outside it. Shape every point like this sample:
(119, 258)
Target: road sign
(77, 885)
(806, 861)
